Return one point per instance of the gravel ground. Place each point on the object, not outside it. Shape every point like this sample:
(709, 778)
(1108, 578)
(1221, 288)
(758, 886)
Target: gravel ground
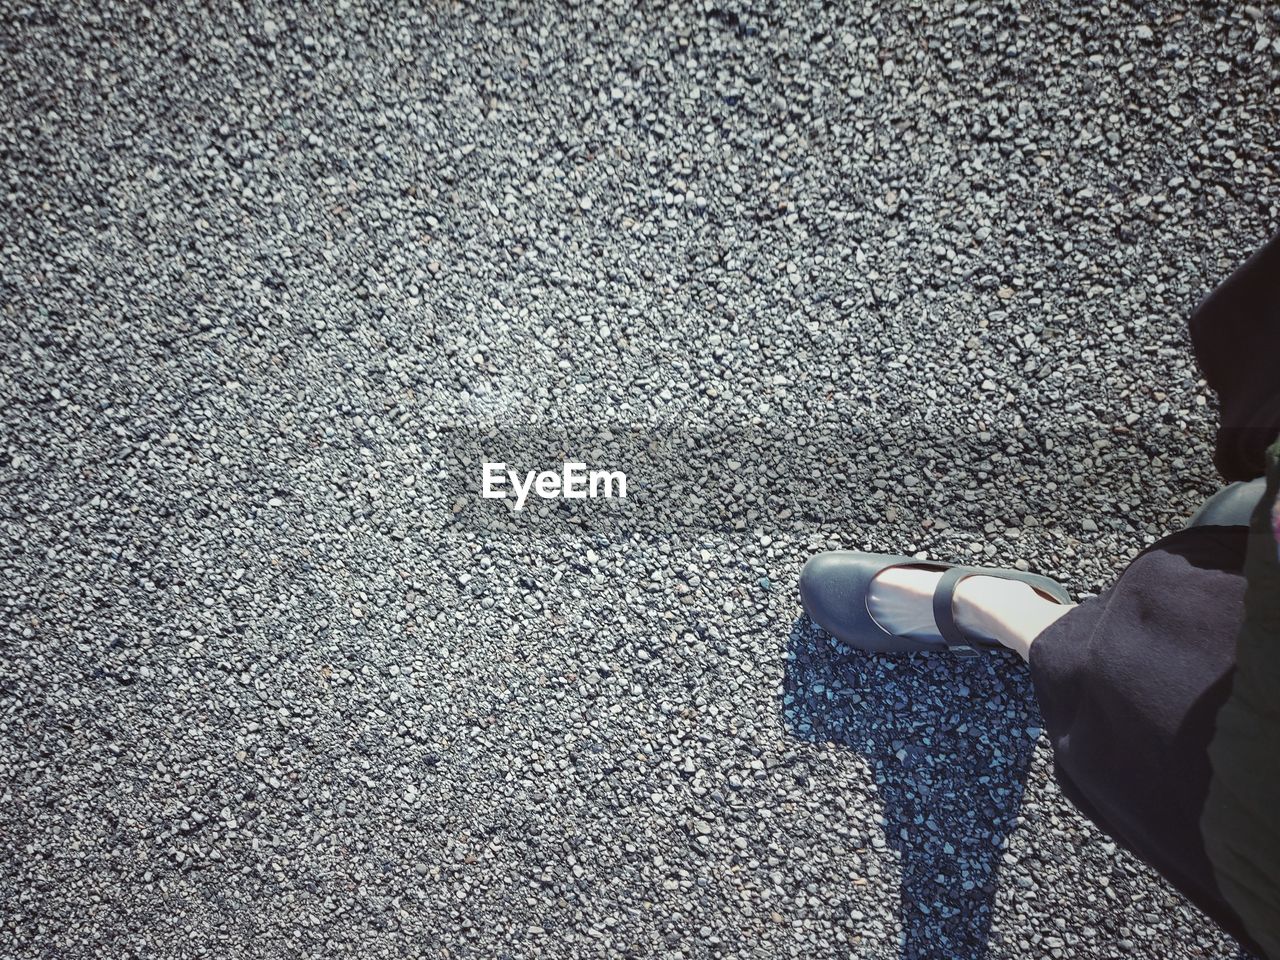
(271, 687)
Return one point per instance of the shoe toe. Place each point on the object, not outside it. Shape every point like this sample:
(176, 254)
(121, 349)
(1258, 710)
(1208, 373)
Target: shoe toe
(833, 590)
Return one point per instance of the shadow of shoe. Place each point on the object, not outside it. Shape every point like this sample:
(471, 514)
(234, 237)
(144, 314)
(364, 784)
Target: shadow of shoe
(947, 741)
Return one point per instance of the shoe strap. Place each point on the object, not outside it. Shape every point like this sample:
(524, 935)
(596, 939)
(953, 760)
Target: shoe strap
(943, 597)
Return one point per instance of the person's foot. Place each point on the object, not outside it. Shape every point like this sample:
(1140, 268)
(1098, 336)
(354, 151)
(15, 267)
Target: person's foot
(1008, 612)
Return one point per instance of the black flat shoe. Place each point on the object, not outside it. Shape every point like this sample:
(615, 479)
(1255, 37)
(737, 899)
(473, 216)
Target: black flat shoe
(833, 588)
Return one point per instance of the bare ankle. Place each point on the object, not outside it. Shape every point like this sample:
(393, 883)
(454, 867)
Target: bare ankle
(1008, 611)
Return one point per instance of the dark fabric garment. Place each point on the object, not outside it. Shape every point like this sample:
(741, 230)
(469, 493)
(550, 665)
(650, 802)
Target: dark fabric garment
(1236, 333)
(1129, 684)
(1241, 822)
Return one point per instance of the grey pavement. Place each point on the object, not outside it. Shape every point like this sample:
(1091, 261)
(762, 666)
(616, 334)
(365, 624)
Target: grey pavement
(273, 684)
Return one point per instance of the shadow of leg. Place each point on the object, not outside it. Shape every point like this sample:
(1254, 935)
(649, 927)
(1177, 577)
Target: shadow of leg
(948, 744)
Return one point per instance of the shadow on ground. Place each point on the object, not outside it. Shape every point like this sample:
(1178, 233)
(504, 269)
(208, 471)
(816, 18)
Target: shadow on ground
(949, 742)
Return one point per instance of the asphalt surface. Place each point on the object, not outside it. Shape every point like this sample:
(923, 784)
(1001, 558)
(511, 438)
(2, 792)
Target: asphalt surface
(273, 683)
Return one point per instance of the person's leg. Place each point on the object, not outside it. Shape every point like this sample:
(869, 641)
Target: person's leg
(1129, 684)
(1236, 334)
(1009, 612)
(1129, 687)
